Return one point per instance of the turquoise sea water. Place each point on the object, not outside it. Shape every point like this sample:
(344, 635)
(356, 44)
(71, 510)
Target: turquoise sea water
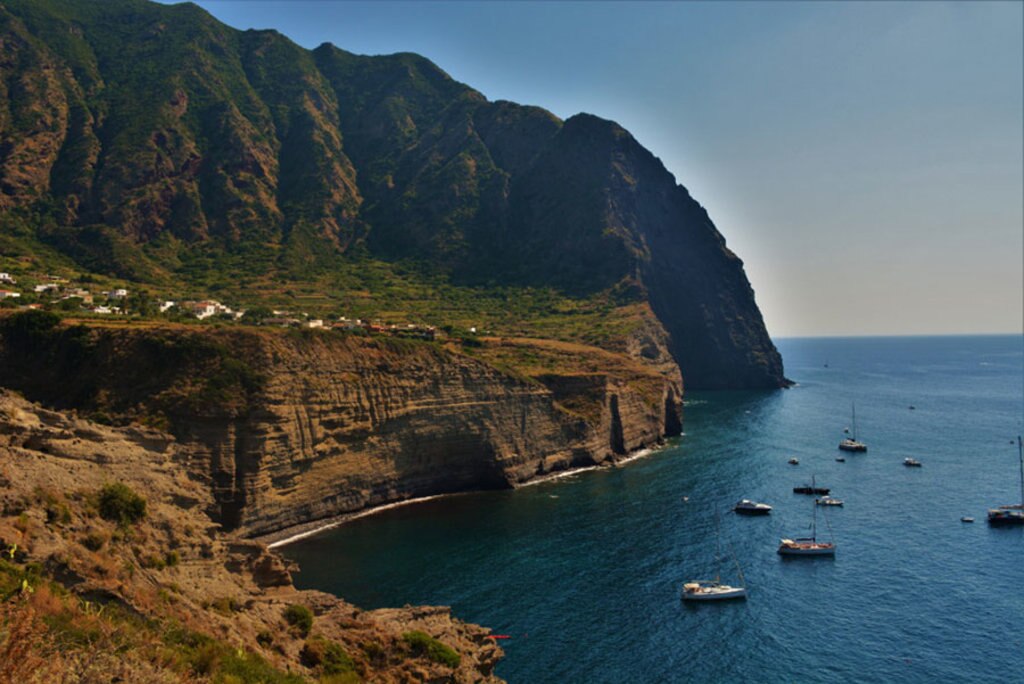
(585, 572)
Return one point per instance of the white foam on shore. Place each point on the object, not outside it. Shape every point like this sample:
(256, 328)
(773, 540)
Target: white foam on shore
(639, 453)
(348, 517)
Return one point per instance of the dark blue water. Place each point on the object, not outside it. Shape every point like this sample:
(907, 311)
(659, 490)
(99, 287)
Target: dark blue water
(585, 572)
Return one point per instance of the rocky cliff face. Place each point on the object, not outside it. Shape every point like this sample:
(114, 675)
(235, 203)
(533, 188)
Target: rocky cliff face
(170, 597)
(146, 140)
(288, 428)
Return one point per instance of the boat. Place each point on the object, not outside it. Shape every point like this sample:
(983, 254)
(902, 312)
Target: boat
(706, 590)
(1011, 514)
(715, 590)
(748, 507)
(828, 501)
(794, 461)
(912, 463)
(808, 546)
(840, 459)
(811, 489)
(850, 443)
(967, 518)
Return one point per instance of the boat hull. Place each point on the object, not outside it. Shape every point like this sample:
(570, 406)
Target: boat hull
(800, 547)
(716, 594)
(853, 447)
(1001, 518)
(752, 511)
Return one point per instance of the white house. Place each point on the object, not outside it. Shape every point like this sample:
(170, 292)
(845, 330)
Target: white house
(46, 287)
(165, 305)
(9, 294)
(314, 323)
(7, 278)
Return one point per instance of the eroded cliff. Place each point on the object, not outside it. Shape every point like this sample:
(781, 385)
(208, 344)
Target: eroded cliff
(288, 428)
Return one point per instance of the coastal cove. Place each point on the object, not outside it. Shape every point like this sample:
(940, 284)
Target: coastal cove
(297, 532)
(584, 572)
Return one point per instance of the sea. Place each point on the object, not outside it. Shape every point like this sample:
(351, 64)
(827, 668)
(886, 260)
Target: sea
(584, 573)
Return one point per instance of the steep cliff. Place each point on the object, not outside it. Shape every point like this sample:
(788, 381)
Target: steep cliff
(164, 595)
(287, 428)
(156, 143)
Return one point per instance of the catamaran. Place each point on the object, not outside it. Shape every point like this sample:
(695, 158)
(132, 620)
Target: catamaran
(1011, 514)
(851, 443)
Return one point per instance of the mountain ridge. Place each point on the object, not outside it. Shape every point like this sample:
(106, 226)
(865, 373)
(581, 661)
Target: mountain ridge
(156, 143)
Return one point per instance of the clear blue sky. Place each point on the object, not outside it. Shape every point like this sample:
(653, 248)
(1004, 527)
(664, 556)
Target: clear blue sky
(866, 160)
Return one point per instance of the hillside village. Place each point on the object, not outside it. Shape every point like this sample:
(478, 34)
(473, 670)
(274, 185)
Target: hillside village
(52, 292)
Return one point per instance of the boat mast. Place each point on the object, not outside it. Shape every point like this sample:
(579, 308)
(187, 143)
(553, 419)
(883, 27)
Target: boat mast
(1020, 453)
(718, 549)
(853, 406)
(814, 509)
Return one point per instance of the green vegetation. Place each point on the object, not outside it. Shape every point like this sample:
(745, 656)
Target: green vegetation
(326, 656)
(423, 645)
(300, 618)
(118, 503)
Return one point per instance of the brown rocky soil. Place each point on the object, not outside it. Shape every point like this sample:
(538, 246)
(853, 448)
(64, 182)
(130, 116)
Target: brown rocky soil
(130, 588)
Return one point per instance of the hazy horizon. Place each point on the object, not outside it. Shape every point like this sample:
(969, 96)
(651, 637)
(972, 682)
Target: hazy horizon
(865, 160)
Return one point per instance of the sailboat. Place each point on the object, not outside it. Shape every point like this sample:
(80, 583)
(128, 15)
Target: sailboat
(714, 590)
(851, 443)
(808, 546)
(1011, 514)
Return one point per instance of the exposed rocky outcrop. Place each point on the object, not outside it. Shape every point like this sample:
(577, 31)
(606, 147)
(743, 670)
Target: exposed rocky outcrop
(175, 569)
(286, 428)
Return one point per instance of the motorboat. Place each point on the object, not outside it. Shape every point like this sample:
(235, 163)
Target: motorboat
(794, 461)
(828, 501)
(748, 507)
(811, 489)
(840, 459)
(911, 463)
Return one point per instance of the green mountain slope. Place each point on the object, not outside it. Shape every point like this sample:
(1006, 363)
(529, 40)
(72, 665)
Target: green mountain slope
(155, 144)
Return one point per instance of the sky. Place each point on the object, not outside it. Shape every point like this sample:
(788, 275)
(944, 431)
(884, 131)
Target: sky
(865, 160)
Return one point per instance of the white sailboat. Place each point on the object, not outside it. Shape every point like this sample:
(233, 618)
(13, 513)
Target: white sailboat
(715, 590)
(851, 443)
(808, 546)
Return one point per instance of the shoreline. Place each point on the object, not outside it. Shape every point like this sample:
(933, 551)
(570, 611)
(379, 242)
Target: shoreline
(275, 540)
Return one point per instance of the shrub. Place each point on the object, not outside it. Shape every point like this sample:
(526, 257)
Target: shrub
(299, 617)
(424, 645)
(329, 656)
(118, 503)
(94, 541)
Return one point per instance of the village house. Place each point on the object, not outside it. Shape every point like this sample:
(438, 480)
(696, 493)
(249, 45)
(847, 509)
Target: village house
(46, 287)
(314, 323)
(9, 294)
(119, 293)
(7, 278)
(165, 305)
